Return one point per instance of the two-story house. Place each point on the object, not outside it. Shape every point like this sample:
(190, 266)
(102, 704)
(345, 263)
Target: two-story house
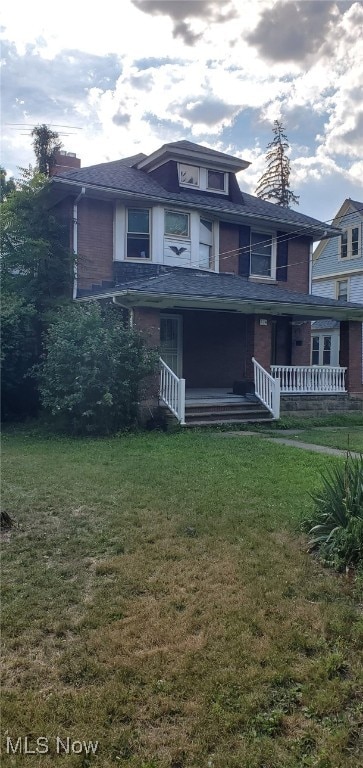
(338, 274)
(216, 278)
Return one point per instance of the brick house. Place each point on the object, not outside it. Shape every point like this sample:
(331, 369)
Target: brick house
(216, 278)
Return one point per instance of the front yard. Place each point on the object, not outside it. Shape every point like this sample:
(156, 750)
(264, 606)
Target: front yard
(158, 599)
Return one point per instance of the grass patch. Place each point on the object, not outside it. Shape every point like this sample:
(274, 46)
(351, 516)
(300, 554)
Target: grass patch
(345, 438)
(158, 598)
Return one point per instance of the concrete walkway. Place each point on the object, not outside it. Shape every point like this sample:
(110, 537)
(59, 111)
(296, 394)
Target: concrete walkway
(294, 443)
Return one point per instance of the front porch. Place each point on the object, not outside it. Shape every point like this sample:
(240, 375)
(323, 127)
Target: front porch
(305, 389)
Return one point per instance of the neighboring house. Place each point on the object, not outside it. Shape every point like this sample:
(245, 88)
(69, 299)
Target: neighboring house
(216, 278)
(338, 274)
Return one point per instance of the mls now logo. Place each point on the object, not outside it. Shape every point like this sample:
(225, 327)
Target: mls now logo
(41, 745)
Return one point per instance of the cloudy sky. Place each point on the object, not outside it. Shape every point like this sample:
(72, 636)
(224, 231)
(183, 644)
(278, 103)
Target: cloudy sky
(124, 76)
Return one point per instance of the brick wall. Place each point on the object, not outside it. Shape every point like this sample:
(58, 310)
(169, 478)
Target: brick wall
(147, 320)
(301, 344)
(262, 341)
(351, 355)
(95, 242)
(298, 266)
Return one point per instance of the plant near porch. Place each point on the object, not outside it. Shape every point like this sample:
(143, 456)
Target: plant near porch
(336, 526)
(93, 370)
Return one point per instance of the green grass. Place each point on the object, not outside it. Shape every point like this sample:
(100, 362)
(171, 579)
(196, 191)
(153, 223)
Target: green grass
(349, 438)
(158, 598)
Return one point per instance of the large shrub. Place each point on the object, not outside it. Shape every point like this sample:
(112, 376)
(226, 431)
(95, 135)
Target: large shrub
(93, 369)
(336, 525)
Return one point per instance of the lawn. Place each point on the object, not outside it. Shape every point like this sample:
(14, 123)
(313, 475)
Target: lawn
(344, 438)
(158, 599)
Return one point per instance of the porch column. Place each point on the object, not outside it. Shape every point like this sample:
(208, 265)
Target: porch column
(301, 344)
(350, 355)
(262, 336)
(147, 320)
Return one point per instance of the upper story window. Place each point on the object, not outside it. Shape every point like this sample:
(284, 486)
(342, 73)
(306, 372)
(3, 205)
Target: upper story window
(216, 180)
(138, 233)
(206, 179)
(176, 224)
(350, 246)
(205, 244)
(189, 175)
(263, 255)
(342, 290)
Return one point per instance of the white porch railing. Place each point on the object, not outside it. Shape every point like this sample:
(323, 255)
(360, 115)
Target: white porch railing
(172, 391)
(312, 379)
(267, 389)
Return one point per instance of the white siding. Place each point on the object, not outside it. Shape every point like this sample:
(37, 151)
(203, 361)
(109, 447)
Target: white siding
(356, 288)
(324, 288)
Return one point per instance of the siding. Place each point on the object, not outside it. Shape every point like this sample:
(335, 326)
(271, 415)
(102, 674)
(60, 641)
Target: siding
(329, 262)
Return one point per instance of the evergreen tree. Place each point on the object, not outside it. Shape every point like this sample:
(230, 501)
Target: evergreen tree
(46, 145)
(274, 183)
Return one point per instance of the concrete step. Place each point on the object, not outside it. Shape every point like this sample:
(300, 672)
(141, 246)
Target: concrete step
(219, 422)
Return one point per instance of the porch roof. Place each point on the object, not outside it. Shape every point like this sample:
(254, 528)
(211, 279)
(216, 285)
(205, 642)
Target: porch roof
(187, 288)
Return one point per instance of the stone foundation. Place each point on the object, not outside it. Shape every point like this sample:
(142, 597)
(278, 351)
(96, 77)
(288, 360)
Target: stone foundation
(319, 405)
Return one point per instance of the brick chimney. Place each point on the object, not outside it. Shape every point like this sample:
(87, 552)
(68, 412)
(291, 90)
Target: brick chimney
(65, 161)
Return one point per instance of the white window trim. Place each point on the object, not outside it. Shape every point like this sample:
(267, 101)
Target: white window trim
(137, 260)
(185, 183)
(172, 235)
(349, 233)
(342, 280)
(203, 180)
(272, 275)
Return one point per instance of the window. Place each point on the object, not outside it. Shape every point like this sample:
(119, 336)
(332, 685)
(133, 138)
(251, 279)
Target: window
(176, 224)
(138, 233)
(350, 243)
(342, 290)
(261, 254)
(216, 180)
(205, 243)
(321, 350)
(315, 350)
(355, 241)
(189, 174)
(344, 246)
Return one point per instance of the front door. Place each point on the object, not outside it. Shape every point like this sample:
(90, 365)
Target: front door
(171, 342)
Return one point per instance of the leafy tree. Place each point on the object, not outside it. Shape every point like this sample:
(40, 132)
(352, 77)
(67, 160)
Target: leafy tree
(19, 352)
(36, 260)
(46, 145)
(93, 368)
(36, 274)
(6, 185)
(274, 183)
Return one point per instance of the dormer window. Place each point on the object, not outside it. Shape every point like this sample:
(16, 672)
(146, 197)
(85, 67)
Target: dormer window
(188, 175)
(216, 181)
(205, 179)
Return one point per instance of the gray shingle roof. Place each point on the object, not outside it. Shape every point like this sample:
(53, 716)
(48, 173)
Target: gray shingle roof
(197, 283)
(122, 178)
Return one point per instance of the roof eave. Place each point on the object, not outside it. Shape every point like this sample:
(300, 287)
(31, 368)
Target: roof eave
(130, 298)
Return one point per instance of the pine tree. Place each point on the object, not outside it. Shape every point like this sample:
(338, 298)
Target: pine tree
(46, 145)
(274, 183)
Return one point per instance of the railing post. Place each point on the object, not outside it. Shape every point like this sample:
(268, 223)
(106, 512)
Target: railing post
(276, 391)
(182, 401)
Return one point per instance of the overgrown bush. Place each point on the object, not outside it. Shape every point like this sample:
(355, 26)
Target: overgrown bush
(336, 525)
(93, 368)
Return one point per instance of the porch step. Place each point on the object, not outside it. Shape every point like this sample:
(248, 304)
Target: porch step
(204, 414)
